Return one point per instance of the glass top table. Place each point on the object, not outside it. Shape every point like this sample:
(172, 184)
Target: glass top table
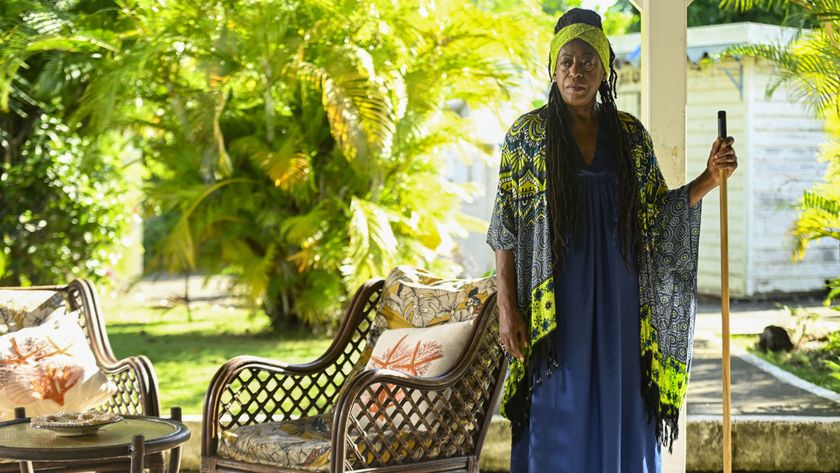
(132, 438)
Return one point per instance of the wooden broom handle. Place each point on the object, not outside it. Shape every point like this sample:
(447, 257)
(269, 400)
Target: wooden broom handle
(724, 300)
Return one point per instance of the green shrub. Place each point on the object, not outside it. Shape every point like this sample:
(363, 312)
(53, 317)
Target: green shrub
(62, 212)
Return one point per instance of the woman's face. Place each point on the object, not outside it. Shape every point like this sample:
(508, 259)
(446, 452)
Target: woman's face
(578, 73)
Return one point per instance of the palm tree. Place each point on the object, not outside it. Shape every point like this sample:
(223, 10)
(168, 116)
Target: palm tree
(300, 146)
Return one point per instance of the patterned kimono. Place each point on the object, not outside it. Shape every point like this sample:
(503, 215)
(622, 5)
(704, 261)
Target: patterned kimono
(667, 268)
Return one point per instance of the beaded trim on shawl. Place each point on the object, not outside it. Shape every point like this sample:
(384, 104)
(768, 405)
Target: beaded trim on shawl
(667, 274)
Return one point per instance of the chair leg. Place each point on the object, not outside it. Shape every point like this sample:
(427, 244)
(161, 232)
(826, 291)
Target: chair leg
(25, 467)
(175, 453)
(138, 452)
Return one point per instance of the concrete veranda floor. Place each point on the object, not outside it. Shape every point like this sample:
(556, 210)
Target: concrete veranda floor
(754, 390)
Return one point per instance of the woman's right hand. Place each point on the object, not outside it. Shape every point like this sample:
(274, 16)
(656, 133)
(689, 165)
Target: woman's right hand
(512, 331)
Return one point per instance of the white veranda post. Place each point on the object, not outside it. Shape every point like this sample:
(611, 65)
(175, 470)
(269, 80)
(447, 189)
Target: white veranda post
(664, 50)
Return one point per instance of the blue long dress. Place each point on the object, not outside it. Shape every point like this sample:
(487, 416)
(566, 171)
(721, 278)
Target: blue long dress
(588, 416)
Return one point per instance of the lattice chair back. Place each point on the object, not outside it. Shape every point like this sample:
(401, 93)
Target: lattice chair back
(252, 392)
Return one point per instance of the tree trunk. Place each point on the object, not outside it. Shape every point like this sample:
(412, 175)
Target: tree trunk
(280, 313)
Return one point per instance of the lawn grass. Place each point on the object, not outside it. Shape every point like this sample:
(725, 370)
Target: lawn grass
(186, 354)
(807, 365)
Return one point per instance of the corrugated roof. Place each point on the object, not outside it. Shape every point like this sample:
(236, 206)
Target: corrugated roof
(709, 40)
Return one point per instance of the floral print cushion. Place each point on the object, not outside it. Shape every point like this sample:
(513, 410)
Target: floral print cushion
(413, 297)
(27, 308)
(296, 443)
(304, 444)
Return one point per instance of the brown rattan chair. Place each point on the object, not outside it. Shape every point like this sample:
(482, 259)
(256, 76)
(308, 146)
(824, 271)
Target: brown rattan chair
(137, 389)
(431, 424)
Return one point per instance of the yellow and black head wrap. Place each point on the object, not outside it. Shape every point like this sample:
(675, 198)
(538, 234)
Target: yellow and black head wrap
(592, 35)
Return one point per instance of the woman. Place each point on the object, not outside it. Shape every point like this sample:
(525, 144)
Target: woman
(597, 264)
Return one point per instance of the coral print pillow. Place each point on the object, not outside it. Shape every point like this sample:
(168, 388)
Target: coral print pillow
(50, 368)
(417, 352)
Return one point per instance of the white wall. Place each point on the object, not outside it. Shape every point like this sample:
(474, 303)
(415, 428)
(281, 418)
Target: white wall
(784, 154)
(710, 90)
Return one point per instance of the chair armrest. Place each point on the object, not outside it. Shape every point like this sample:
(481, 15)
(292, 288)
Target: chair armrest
(249, 390)
(134, 376)
(383, 416)
(137, 387)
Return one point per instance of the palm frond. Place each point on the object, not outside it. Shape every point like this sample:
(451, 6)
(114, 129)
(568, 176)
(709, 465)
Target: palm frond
(307, 227)
(315, 301)
(819, 218)
(473, 224)
(816, 202)
(361, 118)
(12, 59)
(100, 100)
(78, 43)
(252, 270)
(179, 252)
(288, 167)
(372, 242)
(807, 64)
(45, 22)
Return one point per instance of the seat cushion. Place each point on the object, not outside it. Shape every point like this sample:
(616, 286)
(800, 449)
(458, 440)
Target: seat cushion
(304, 444)
(296, 443)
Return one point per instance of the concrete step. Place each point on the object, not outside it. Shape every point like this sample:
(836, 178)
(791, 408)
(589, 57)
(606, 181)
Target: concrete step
(766, 444)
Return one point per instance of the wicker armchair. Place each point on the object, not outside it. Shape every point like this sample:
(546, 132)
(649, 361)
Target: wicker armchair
(137, 389)
(431, 424)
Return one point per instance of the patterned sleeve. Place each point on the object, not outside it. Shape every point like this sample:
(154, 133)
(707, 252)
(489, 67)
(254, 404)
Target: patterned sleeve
(501, 234)
(674, 244)
(676, 225)
(668, 283)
